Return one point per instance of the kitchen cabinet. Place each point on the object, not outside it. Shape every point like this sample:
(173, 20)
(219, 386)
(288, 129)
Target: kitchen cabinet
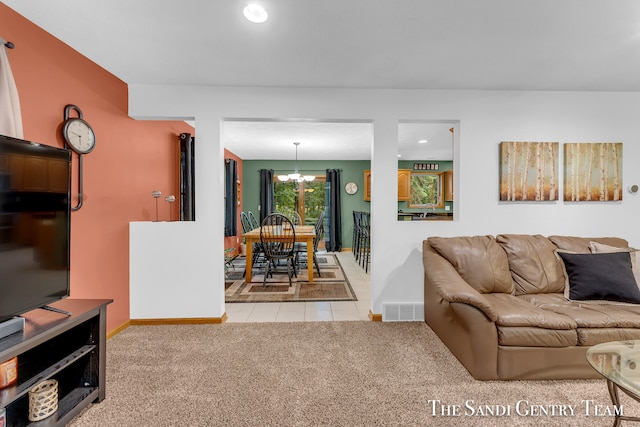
(448, 185)
(404, 185)
(367, 186)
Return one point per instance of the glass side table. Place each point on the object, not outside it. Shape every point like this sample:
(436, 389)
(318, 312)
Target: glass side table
(619, 363)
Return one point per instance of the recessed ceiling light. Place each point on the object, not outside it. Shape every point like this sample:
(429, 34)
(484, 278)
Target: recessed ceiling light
(399, 155)
(255, 13)
(422, 141)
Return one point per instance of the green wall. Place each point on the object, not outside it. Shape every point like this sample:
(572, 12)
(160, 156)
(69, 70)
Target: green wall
(351, 170)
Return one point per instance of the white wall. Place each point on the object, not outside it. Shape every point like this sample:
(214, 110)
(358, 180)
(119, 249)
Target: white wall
(486, 118)
(171, 280)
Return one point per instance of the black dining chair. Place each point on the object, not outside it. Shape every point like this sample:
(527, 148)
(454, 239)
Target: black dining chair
(278, 237)
(295, 218)
(364, 245)
(253, 220)
(357, 231)
(257, 251)
(362, 238)
(246, 223)
(301, 248)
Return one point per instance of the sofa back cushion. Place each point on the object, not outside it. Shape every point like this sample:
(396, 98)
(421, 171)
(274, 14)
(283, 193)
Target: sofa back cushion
(534, 266)
(582, 245)
(599, 248)
(479, 260)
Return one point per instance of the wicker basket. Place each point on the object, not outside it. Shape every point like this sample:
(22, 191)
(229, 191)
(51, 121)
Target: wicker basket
(43, 400)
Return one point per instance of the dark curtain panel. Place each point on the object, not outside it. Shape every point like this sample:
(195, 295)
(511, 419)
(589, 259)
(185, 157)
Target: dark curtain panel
(333, 241)
(187, 178)
(267, 202)
(230, 197)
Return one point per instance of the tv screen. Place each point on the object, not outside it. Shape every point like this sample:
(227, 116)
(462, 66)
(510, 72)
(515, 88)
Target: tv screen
(34, 225)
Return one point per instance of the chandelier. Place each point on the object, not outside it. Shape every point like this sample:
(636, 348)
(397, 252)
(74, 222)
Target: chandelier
(296, 176)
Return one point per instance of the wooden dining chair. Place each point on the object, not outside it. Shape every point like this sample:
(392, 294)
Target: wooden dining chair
(278, 236)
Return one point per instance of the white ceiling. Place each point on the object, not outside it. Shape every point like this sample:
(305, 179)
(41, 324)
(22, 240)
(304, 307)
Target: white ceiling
(570, 45)
(331, 140)
(319, 140)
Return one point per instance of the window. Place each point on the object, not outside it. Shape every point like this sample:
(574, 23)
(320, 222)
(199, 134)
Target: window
(287, 198)
(426, 190)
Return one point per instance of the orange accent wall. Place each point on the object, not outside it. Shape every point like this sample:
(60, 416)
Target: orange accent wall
(234, 241)
(131, 158)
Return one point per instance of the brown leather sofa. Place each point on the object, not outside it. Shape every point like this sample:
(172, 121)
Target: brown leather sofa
(498, 304)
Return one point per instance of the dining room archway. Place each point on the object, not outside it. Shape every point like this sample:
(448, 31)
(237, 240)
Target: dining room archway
(325, 144)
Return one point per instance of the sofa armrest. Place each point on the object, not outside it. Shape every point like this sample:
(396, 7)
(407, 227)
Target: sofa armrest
(443, 277)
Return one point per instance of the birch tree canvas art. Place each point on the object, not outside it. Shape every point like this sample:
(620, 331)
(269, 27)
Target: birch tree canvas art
(593, 171)
(528, 171)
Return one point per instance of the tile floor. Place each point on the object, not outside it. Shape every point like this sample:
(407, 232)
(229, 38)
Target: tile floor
(311, 311)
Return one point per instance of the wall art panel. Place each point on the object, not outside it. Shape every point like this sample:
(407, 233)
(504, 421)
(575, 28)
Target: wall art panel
(529, 171)
(592, 171)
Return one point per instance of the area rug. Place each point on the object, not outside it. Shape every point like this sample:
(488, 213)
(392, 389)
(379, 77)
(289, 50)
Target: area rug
(331, 285)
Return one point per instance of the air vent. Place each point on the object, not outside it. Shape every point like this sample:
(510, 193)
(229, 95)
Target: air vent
(402, 312)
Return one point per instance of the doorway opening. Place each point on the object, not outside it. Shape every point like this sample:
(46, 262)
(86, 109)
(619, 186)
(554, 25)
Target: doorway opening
(342, 145)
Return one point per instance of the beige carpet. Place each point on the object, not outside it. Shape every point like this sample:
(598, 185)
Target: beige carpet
(310, 374)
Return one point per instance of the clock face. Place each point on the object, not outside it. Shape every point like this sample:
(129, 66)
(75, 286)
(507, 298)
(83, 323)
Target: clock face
(79, 136)
(351, 188)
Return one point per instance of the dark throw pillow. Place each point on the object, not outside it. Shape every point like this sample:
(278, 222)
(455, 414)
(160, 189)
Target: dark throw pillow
(601, 276)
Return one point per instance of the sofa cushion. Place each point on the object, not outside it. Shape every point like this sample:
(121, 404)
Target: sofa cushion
(479, 260)
(606, 277)
(447, 283)
(514, 311)
(596, 316)
(533, 263)
(596, 323)
(536, 337)
(593, 336)
(583, 244)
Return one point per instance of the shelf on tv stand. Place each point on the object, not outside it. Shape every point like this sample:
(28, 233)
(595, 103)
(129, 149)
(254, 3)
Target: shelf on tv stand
(70, 349)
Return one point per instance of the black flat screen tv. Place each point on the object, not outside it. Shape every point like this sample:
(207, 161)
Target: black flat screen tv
(34, 225)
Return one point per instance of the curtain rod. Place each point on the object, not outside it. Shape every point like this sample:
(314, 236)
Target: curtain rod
(305, 170)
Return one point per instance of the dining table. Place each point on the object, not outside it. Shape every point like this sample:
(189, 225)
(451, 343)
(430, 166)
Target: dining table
(304, 234)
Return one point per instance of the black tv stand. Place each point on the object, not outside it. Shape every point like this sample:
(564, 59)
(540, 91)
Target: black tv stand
(11, 326)
(56, 310)
(71, 350)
